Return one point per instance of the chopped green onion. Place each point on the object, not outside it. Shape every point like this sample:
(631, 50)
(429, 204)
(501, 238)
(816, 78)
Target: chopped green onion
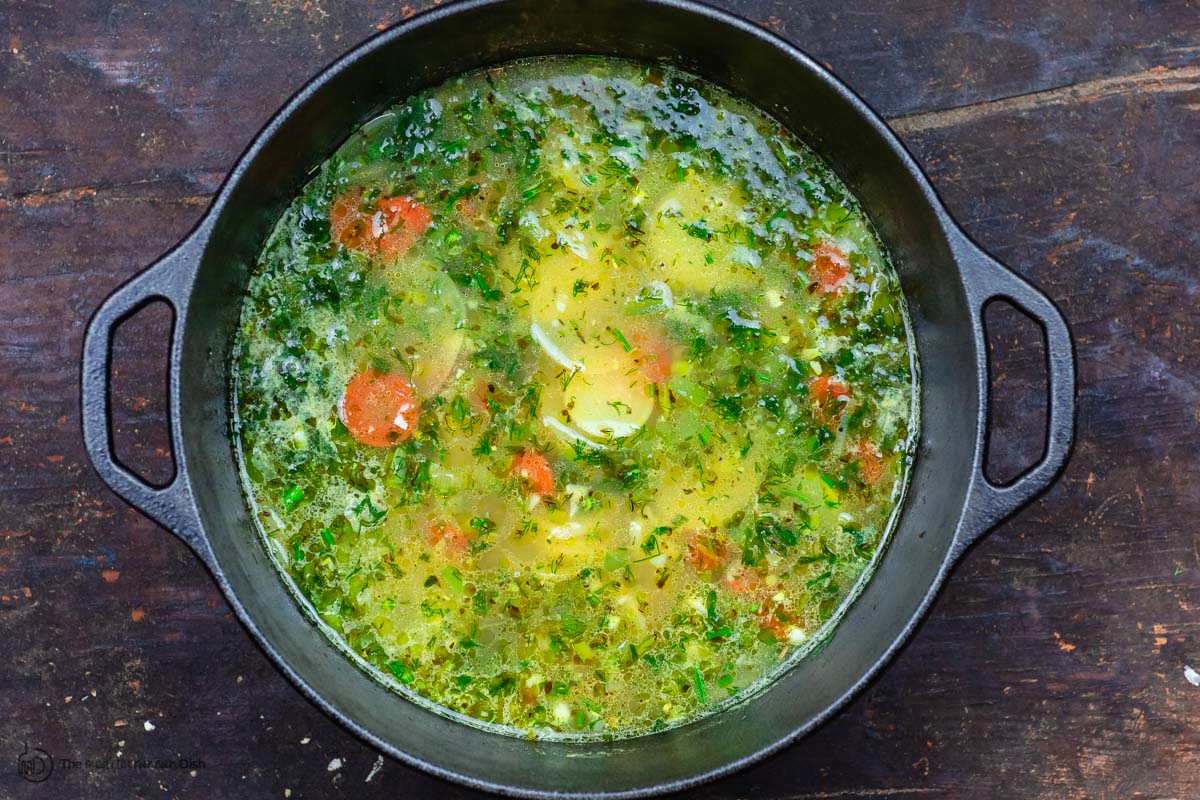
(803, 498)
(402, 673)
(292, 497)
(621, 338)
(453, 578)
(700, 688)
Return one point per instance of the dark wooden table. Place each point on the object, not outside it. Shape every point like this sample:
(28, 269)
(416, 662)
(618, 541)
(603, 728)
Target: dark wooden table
(1063, 134)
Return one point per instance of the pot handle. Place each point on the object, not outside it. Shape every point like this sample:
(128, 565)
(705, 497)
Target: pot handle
(989, 504)
(168, 280)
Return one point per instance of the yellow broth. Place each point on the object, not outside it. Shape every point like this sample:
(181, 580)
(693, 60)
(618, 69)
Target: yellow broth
(574, 395)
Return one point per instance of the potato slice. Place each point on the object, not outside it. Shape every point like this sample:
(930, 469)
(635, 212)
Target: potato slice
(609, 398)
(731, 484)
(600, 392)
(568, 166)
(356, 165)
(434, 316)
(575, 291)
(679, 248)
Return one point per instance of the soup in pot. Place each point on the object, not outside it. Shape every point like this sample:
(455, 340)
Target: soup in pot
(574, 396)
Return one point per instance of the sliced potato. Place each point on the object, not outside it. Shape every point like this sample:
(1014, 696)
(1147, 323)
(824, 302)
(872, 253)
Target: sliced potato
(731, 484)
(609, 398)
(677, 243)
(600, 392)
(573, 286)
(568, 166)
(356, 164)
(434, 316)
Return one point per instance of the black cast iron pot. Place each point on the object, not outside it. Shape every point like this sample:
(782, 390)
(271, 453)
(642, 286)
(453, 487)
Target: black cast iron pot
(945, 277)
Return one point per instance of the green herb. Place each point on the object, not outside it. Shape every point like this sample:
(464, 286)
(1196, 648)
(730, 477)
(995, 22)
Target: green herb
(482, 525)
(824, 576)
(367, 511)
(465, 191)
(699, 230)
(484, 288)
(292, 497)
(621, 338)
(698, 679)
(402, 673)
(613, 169)
(803, 498)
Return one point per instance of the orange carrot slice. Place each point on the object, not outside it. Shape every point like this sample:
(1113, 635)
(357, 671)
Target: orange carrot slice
(652, 354)
(404, 220)
(532, 467)
(830, 269)
(448, 536)
(380, 409)
(825, 388)
(388, 230)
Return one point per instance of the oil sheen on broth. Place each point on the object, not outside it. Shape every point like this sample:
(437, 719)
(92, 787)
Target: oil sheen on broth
(574, 396)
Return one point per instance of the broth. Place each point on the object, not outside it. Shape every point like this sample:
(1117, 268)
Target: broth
(574, 395)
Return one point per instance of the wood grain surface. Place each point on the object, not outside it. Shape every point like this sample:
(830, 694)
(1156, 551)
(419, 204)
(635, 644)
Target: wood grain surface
(1063, 134)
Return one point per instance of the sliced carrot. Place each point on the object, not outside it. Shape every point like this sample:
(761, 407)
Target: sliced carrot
(404, 220)
(479, 398)
(652, 353)
(830, 269)
(468, 208)
(449, 536)
(380, 409)
(825, 388)
(389, 229)
(348, 224)
(704, 555)
(745, 582)
(870, 461)
(768, 620)
(532, 467)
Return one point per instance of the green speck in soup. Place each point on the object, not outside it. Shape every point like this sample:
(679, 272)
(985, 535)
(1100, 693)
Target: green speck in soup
(574, 396)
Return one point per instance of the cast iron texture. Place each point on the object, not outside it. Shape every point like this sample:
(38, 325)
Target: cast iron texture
(947, 280)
